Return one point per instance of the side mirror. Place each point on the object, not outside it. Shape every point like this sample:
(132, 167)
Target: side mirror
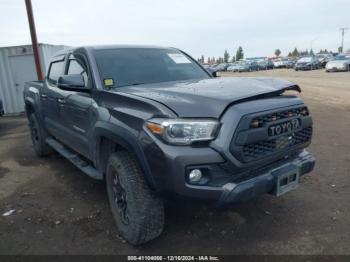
(72, 83)
(213, 71)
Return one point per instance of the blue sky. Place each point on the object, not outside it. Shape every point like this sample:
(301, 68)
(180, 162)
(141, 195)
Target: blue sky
(196, 26)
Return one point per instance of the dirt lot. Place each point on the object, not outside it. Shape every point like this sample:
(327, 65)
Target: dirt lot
(59, 210)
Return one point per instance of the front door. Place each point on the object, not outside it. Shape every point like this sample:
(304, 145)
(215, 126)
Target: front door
(75, 111)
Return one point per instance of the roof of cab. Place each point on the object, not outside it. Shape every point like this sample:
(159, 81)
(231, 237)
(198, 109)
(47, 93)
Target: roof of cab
(107, 47)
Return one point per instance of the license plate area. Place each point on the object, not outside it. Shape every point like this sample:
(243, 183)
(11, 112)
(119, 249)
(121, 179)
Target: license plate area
(287, 182)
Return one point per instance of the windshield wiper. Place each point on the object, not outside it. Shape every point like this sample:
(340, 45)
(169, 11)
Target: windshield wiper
(133, 84)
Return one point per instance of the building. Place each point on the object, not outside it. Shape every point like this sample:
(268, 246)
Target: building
(17, 66)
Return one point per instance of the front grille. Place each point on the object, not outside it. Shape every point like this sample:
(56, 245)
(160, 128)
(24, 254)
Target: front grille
(264, 148)
(285, 114)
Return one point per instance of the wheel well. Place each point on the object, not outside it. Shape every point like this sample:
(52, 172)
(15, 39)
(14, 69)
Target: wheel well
(106, 147)
(29, 109)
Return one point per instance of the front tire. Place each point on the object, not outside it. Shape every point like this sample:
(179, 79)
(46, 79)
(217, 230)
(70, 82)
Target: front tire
(139, 214)
(38, 135)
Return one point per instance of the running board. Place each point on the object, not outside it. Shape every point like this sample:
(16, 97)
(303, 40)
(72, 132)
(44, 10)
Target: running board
(75, 159)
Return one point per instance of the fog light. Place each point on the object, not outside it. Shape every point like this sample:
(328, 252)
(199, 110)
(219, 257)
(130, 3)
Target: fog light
(195, 176)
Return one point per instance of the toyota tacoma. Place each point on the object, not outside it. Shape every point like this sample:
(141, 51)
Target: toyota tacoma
(154, 125)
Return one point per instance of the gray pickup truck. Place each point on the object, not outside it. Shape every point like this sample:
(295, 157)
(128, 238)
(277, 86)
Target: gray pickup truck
(155, 125)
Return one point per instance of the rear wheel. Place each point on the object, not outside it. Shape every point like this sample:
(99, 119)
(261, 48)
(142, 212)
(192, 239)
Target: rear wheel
(139, 214)
(38, 135)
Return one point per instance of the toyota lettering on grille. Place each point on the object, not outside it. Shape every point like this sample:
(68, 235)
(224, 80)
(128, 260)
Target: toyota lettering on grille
(285, 127)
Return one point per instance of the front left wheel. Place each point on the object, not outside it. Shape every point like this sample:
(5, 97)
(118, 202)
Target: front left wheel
(138, 213)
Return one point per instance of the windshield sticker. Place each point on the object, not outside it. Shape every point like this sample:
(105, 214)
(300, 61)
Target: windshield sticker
(108, 82)
(179, 58)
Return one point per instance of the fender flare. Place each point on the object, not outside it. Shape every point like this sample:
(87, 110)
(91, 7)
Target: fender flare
(32, 102)
(127, 140)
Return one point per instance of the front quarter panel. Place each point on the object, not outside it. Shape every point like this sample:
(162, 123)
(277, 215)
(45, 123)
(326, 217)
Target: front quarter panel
(121, 118)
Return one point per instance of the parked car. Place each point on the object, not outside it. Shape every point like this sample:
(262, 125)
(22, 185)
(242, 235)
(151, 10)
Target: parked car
(222, 67)
(340, 63)
(2, 112)
(243, 66)
(206, 66)
(307, 63)
(324, 59)
(233, 67)
(154, 124)
(283, 63)
(265, 64)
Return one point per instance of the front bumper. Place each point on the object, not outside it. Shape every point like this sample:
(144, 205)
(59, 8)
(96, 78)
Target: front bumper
(266, 182)
(303, 67)
(336, 69)
(170, 171)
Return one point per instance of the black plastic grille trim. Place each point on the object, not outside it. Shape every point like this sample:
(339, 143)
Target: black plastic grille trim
(264, 119)
(264, 148)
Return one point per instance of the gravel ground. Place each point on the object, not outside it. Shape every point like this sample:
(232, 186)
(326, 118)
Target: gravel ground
(59, 210)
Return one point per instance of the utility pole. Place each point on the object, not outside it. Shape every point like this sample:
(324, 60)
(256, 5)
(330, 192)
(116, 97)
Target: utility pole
(34, 39)
(343, 29)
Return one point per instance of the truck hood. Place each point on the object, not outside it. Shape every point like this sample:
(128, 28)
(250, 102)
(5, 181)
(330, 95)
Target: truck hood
(209, 97)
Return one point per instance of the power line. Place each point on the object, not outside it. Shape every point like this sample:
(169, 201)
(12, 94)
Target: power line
(343, 29)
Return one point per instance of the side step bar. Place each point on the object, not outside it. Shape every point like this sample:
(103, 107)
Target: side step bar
(75, 159)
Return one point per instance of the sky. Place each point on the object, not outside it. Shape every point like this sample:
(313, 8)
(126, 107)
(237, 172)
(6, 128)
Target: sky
(198, 27)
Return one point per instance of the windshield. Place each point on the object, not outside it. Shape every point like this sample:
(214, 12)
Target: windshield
(342, 57)
(305, 59)
(134, 66)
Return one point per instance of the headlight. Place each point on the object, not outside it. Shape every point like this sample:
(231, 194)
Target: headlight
(184, 131)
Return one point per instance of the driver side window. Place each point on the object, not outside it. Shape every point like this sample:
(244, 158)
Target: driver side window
(74, 67)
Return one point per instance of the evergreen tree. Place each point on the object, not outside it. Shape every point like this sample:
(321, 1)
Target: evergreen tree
(312, 52)
(295, 52)
(239, 53)
(226, 56)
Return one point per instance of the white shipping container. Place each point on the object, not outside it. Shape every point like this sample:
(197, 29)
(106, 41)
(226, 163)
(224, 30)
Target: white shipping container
(17, 66)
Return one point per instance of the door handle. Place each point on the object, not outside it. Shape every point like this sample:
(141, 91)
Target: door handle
(61, 100)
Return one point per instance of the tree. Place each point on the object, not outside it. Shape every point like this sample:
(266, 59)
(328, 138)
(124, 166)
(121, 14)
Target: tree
(202, 59)
(340, 49)
(295, 52)
(290, 54)
(277, 52)
(311, 52)
(233, 59)
(239, 53)
(226, 57)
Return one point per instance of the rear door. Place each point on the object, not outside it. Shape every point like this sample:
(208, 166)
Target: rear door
(51, 96)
